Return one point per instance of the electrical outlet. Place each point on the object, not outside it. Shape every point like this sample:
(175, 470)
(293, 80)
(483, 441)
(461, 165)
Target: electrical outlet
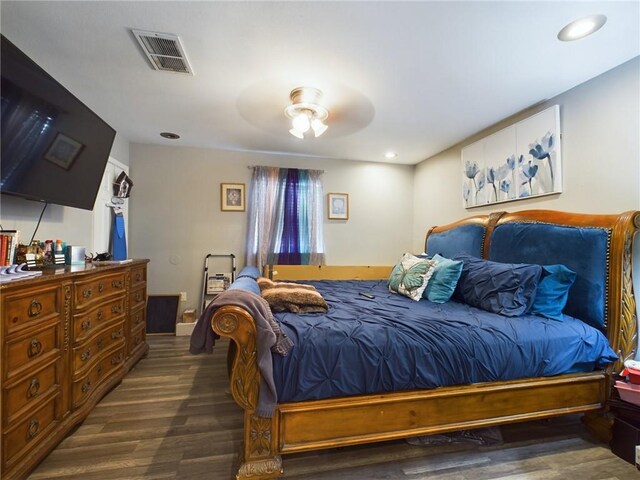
(183, 296)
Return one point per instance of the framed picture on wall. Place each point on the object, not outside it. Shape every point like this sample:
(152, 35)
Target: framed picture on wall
(63, 151)
(232, 197)
(338, 206)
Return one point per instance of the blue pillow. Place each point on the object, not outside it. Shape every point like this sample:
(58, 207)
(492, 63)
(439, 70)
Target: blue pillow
(444, 279)
(553, 291)
(504, 288)
(250, 271)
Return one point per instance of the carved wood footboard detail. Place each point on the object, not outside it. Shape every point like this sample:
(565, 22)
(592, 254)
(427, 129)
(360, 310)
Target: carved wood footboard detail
(257, 459)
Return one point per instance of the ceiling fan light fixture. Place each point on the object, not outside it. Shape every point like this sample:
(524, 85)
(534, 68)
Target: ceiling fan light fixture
(305, 112)
(318, 127)
(297, 133)
(301, 122)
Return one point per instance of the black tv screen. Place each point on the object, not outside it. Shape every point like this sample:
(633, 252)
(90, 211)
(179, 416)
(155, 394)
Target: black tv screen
(54, 148)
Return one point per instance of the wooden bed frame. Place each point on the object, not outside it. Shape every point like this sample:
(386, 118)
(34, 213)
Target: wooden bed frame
(317, 424)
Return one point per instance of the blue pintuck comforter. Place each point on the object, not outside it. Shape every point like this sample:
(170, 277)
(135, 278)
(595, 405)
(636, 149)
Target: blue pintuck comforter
(392, 343)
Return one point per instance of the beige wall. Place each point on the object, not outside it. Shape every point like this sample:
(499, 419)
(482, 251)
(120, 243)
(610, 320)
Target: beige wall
(73, 225)
(600, 125)
(175, 217)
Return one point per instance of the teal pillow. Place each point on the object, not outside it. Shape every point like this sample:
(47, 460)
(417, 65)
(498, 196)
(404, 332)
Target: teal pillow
(410, 276)
(553, 291)
(444, 279)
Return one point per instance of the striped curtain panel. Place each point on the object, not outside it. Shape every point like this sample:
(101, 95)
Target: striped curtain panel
(285, 217)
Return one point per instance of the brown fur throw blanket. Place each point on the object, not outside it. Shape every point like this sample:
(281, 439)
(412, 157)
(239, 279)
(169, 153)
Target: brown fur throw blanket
(292, 297)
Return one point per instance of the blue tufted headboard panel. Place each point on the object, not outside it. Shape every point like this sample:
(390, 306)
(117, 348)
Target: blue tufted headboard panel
(467, 239)
(585, 250)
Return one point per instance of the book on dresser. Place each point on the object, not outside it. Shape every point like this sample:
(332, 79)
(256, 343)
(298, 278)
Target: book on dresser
(8, 244)
(68, 338)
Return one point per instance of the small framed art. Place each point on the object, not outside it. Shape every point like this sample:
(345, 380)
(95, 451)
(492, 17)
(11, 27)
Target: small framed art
(338, 204)
(232, 197)
(63, 151)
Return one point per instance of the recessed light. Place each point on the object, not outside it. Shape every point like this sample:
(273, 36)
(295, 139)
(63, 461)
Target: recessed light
(390, 155)
(170, 136)
(581, 28)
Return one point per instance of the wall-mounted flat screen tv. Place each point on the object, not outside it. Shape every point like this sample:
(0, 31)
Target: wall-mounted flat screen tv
(54, 148)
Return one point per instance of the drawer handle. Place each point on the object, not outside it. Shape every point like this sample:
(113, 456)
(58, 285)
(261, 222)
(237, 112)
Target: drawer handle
(117, 360)
(35, 347)
(100, 314)
(35, 308)
(86, 325)
(118, 334)
(138, 276)
(138, 297)
(34, 428)
(85, 355)
(34, 388)
(87, 293)
(86, 386)
(100, 343)
(116, 284)
(116, 309)
(100, 287)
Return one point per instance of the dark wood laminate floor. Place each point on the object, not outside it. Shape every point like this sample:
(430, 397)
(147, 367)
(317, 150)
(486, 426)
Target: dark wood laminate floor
(172, 418)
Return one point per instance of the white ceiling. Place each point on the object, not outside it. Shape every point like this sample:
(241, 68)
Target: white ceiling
(414, 77)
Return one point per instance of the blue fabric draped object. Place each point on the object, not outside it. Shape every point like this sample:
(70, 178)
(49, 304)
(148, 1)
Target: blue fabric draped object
(118, 238)
(392, 343)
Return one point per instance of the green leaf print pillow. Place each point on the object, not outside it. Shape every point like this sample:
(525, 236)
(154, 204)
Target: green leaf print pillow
(410, 276)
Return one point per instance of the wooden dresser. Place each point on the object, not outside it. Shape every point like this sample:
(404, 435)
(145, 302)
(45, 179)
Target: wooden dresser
(68, 337)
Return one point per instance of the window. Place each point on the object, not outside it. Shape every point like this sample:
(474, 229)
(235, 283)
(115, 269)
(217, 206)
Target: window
(285, 217)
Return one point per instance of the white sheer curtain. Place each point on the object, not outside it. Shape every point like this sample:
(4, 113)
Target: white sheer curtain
(316, 217)
(267, 210)
(263, 194)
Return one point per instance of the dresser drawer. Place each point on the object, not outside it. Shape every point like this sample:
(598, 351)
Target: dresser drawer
(29, 391)
(94, 290)
(136, 339)
(86, 354)
(29, 431)
(138, 298)
(138, 276)
(138, 318)
(87, 323)
(86, 385)
(26, 308)
(30, 351)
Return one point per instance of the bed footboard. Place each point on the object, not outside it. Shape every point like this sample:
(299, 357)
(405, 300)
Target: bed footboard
(257, 458)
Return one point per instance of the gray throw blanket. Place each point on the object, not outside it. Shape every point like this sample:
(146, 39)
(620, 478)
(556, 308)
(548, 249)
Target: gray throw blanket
(269, 338)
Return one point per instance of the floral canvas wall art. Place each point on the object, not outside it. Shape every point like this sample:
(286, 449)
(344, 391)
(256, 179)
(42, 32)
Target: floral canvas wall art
(520, 161)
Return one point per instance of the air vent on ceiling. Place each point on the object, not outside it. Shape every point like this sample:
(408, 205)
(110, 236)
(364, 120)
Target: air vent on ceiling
(164, 50)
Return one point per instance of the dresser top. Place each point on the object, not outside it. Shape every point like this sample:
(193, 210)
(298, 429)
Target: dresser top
(71, 272)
